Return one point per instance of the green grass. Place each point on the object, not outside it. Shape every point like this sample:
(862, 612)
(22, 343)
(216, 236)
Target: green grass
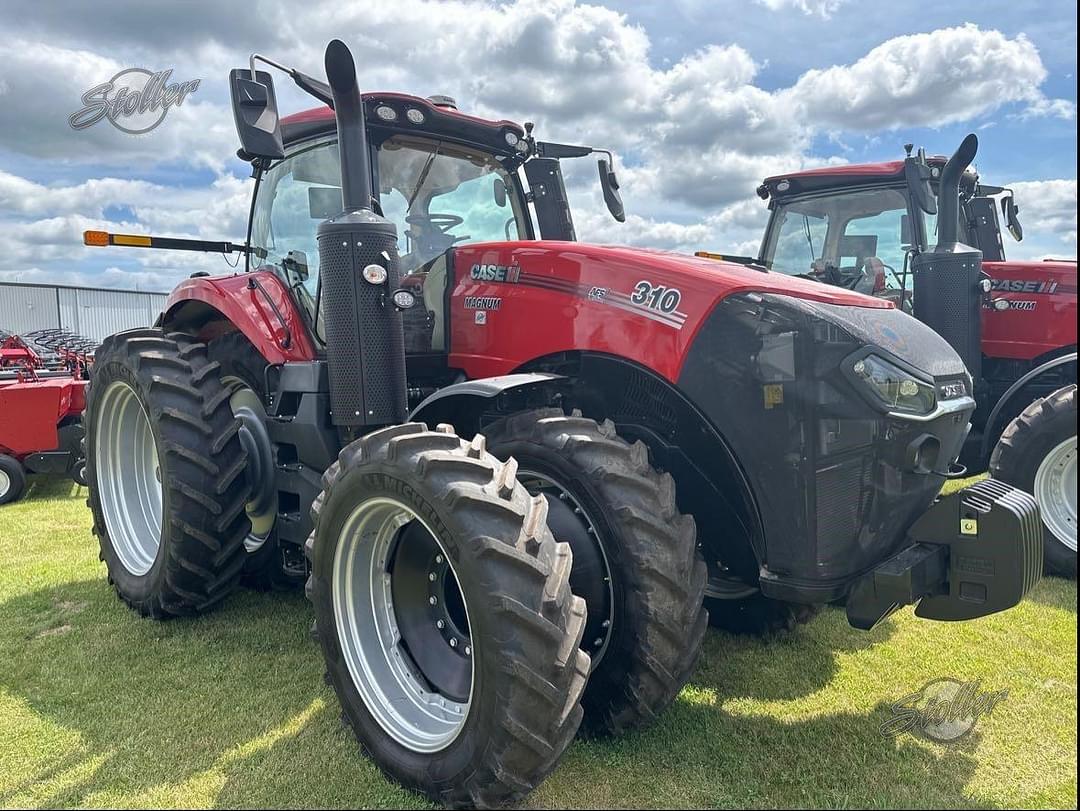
(101, 708)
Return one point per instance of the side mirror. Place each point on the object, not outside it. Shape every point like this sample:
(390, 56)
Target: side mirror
(610, 184)
(255, 112)
(1010, 210)
(917, 176)
(500, 193)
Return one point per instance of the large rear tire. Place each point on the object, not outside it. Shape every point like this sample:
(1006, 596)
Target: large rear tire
(1037, 453)
(648, 578)
(165, 472)
(445, 615)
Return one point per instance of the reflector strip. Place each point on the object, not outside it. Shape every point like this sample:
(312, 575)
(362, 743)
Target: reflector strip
(131, 240)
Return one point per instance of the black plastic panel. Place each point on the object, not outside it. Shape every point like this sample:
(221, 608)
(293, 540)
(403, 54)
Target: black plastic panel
(833, 478)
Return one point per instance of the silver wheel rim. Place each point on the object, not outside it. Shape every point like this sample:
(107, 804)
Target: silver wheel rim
(128, 478)
(383, 672)
(5, 483)
(1055, 490)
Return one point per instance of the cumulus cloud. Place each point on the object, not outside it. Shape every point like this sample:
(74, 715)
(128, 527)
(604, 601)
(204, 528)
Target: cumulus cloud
(1048, 214)
(948, 75)
(694, 135)
(821, 8)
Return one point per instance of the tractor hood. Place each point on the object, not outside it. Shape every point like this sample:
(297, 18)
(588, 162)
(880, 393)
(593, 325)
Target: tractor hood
(622, 264)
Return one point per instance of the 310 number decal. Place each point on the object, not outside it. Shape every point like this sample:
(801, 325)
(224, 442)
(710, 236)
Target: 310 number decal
(656, 296)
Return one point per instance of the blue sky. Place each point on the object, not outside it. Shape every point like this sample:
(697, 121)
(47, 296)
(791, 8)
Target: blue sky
(698, 99)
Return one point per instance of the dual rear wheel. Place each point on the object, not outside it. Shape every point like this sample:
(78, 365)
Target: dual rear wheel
(446, 609)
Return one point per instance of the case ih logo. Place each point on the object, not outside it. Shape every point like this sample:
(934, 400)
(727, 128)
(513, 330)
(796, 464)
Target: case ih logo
(496, 273)
(1021, 286)
(134, 100)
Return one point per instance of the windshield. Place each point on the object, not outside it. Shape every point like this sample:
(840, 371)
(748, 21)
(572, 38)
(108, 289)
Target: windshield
(440, 194)
(854, 239)
(437, 194)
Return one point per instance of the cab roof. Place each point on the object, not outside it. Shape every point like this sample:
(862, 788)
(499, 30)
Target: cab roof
(824, 178)
(389, 114)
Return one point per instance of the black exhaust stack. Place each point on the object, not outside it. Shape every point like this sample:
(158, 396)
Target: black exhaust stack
(358, 270)
(948, 296)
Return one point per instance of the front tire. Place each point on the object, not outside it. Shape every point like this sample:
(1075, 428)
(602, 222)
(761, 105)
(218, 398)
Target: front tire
(165, 472)
(653, 601)
(444, 612)
(1037, 453)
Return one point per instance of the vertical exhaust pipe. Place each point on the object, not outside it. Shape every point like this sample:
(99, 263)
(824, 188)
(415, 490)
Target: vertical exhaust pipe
(949, 196)
(948, 296)
(358, 270)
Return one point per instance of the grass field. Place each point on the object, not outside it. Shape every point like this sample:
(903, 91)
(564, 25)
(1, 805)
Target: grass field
(100, 708)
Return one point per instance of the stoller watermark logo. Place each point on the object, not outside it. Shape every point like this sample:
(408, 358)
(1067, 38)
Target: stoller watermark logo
(134, 101)
(944, 710)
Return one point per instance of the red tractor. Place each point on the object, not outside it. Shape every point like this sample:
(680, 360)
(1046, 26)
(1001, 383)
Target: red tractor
(868, 227)
(634, 432)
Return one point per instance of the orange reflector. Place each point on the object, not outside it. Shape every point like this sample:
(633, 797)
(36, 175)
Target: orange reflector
(131, 240)
(707, 255)
(95, 238)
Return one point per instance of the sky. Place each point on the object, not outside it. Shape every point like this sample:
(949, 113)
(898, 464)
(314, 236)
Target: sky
(698, 100)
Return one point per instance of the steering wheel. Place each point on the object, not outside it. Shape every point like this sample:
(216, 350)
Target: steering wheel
(444, 222)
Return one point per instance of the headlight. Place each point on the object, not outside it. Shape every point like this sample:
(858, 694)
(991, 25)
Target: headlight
(895, 388)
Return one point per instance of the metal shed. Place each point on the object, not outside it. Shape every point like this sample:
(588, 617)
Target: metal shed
(89, 311)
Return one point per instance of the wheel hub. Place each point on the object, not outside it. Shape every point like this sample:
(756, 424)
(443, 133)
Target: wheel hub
(1055, 491)
(5, 483)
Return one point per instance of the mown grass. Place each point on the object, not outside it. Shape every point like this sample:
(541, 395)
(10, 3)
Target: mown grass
(100, 708)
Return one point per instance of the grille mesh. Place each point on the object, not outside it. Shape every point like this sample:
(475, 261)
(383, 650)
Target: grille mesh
(365, 346)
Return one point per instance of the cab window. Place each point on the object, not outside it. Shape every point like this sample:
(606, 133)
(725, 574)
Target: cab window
(855, 239)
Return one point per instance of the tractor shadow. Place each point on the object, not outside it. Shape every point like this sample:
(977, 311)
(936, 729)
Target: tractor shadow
(718, 747)
(231, 710)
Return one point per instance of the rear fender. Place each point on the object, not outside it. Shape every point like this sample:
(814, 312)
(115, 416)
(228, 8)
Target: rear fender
(258, 304)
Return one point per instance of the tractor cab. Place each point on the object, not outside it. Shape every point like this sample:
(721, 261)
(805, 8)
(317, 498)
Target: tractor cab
(857, 226)
(442, 177)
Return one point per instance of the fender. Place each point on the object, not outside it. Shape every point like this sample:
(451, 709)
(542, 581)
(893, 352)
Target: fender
(990, 434)
(258, 304)
(469, 394)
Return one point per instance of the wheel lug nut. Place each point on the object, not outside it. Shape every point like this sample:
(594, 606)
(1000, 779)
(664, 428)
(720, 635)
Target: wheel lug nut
(468, 650)
(440, 624)
(431, 576)
(599, 641)
(432, 600)
(453, 642)
(438, 558)
(605, 624)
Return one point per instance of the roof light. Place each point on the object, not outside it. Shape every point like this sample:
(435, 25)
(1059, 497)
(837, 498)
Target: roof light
(414, 115)
(386, 113)
(511, 138)
(783, 185)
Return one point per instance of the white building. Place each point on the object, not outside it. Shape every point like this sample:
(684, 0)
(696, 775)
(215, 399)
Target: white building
(91, 312)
